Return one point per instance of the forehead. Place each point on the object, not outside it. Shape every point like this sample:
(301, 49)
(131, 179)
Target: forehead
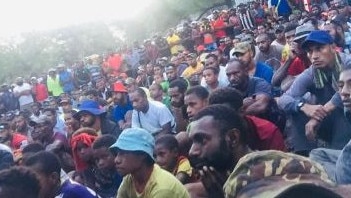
(191, 98)
(290, 33)
(234, 66)
(203, 126)
(261, 38)
(173, 90)
(345, 76)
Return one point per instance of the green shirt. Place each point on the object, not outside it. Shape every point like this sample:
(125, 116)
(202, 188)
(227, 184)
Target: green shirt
(161, 184)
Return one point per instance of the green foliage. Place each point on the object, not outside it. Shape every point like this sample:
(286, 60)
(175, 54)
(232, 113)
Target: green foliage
(36, 52)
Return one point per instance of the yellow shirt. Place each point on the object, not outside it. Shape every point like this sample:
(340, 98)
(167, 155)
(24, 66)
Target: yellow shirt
(161, 184)
(189, 71)
(285, 53)
(184, 167)
(172, 41)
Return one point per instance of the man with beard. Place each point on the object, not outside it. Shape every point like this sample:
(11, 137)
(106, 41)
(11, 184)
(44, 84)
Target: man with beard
(91, 115)
(21, 125)
(10, 138)
(153, 116)
(267, 52)
(122, 111)
(23, 91)
(176, 92)
(245, 52)
(219, 141)
(336, 32)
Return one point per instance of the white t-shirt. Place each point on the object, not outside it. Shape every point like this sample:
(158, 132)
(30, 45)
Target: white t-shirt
(24, 99)
(157, 115)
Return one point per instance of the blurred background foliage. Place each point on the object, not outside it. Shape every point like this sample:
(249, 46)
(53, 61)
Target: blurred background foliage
(35, 52)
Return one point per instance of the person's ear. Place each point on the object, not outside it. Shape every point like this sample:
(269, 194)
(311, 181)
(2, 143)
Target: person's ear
(233, 137)
(54, 178)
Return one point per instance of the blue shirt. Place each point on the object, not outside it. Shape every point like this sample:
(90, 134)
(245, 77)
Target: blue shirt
(264, 71)
(120, 111)
(66, 81)
(72, 189)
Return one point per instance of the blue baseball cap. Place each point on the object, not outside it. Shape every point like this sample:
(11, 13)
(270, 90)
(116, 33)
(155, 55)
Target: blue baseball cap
(90, 106)
(317, 36)
(136, 139)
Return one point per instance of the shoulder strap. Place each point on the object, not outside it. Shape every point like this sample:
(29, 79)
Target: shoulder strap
(141, 126)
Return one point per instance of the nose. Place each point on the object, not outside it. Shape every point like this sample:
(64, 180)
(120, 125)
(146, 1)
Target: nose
(117, 159)
(345, 91)
(194, 150)
(314, 55)
(188, 110)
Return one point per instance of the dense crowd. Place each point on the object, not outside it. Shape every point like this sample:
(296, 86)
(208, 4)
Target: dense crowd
(251, 101)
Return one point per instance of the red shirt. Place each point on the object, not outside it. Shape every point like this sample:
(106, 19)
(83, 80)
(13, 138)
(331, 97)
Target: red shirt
(298, 66)
(217, 25)
(264, 135)
(18, 141)
(41, 92)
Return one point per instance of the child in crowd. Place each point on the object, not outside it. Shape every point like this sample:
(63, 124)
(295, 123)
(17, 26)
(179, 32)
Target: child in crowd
(169, 158)
(107, 180)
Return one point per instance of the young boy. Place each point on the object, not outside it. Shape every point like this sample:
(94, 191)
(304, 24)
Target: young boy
(169, 158)
(107, 180)
(210, 75)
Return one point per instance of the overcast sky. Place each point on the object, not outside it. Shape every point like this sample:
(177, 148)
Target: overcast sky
(18, 16)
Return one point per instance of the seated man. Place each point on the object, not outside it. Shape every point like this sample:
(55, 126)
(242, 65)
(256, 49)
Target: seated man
(48, 168)
(257, 94)
(135, 161)
(262, 134)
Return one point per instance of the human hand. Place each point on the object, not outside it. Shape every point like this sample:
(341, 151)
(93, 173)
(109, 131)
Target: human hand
(213, 181)
(311, 128)
(314, 111)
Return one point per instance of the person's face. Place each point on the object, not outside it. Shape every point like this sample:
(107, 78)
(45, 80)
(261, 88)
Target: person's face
(209, 147)
(66, 107)
(321, 56)
(157, 70)
(177, 98)
(41, 132)
(51, 116)
(48, 183)
(155, 92)
(53, 104)
(104, 159)
(279, 35)
(71, 122)
(20, 123)
(263, 43)
(171, 74)
(149, 69)
(5, 135)
(127, 162)
(210, 77)
(237, 76)
(85, 152)
(211, 62)
(165, 157)
(344, 85)
(117, 97)
(87, 119)
(289, 36)
(246, 57)
(191, 61)
(158, 79)
(194, 104)
(332, 14)
(100, 85)
(35, 109)
(139, 103)
(261, 29)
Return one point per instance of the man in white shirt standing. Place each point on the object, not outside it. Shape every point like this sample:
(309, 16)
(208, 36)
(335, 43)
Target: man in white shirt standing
(153, 116)
(23, 91)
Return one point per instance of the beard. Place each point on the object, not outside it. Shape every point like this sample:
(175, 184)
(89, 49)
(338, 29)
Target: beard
(89, 123)
(221, 159)
(177, 104)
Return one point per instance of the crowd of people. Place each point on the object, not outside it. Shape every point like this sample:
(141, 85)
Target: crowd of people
(251, 101)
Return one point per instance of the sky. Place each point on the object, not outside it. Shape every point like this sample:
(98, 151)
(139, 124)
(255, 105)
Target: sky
(17, 16)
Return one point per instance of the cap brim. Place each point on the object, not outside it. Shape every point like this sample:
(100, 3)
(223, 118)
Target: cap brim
(89, 110)
(308, 42)
(128, 146)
